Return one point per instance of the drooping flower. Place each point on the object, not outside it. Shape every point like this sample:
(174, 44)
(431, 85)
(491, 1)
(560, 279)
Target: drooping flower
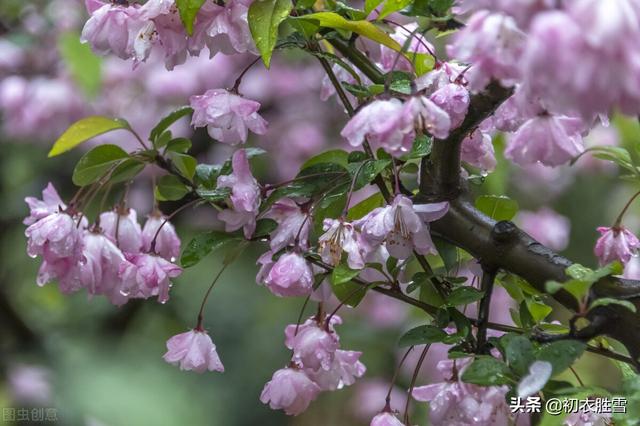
(193, 350)
(227, 116)
(493, 44)
(454, 100)
(616, 243)
(443, 73)
(229, 29)
(343, 371)
(546, 226)
(291, 275)
(546, 139)
(455, 403)
(386, 419)
(477, 150)
(290, 390)
(245, 196)
(54, 236)
(167, 242)
(39, 209)
(293, 225)
(340, 236)
(314, 344)
(427, 116)
(145, 275)
(64, 271)
(121, 225)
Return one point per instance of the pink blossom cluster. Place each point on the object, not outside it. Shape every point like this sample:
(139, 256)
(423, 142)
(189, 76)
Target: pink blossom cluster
(116, 257)
(318, 364)
(130, 31)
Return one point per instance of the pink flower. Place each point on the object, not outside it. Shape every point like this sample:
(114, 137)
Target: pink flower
(293, 225)
(443, 73)
(546, 226)
(455, 403)
(291, 275)
(315, 344)
(193, 350)
(125, 223)
(39, 209)
(169, 31)
(587, 418)
(147, 275)
(547, 139)
(343, 371)
(167, 243)
(245, 196)
(418, 44)
(477, 150)
(493, 44)
(340, 236)
(386, 419)
(227, 116)
(113, 28)
(616, 243)
(291, 390)
(428, 117)
(100, 266)
(384, 123)
(55, 236)
(229, 29)
(454, 100)
(64, 271)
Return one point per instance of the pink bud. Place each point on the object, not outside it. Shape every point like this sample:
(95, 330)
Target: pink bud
(193, 350)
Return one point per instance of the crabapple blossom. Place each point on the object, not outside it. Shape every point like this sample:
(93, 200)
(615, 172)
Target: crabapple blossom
(121, 225)
(386, 419)
(428, 116)
(291, 275)
(454, 100)
(340, 236)
(54, 236)
(343, 371)
(193, 350)
(63, 270)
(314, 343)
(167, 242)
(616, 243)
(417, 44)
(547, 139)
(145, 275)
(293, 225)
(245, 196)
(590, 418)
(477, 150)
(39, 209)
(546, 226)
(229, 30)
(227, 116)
(443, 73)
(290, 390)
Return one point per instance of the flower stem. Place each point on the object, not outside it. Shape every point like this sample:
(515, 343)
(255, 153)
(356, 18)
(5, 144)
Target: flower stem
(413, 383)
(618, 221)
(206, 296)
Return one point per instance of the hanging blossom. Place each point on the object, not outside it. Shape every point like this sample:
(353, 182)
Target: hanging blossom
(227, 116)
(293, 227)
(193, 350)
(391, 124)
(401, 226)
(563, 65)
(477, 150)
(616, 243)
(39, 209)
(340, 236)
(443, 74)
(546, 226)
(455, 403)
(521, 10)
(493, 44)
(166, 243)
(313, 343)
(290, 390)
(122, 227)
(546, 139)
(452, 98)
(289, 276)
(245, 196)
(147, 274)
(386, 419)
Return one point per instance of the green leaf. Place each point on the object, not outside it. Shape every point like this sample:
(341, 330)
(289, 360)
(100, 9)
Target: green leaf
(610, 301)
(365, 206)
(518, 352)
(214, 195)
(83, 65)
(170, 188)
(424, 334)
(83, 130)
(447, 252)
(188, 11)
(185, 164)
(337, 156)
(126, 170)
(464, 296)
(538, 310)
(369, 5)
(202, 245)
(264, 227)
(96, 163)
(561, 354)
(486, 371)
(421, 147)
(342, 273)
(346, 290)
(207, 175)
(391, 6)
(367, 171)
(362, 27)
(167, 121)
(497, 207)
(265, 16)
(322, 178)
(181, 145)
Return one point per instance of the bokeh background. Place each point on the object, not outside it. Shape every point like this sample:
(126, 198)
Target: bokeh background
(96, 364)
